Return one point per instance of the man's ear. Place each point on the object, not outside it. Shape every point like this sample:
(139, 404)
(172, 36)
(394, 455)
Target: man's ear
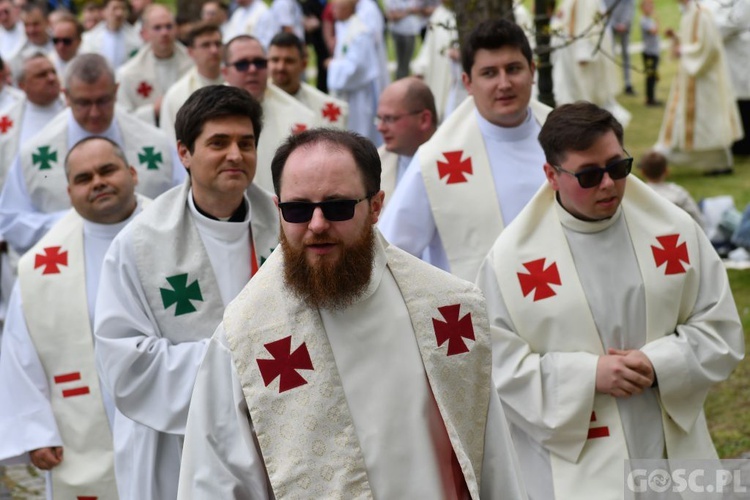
(551, 174)
(466, 80)
(376, 205)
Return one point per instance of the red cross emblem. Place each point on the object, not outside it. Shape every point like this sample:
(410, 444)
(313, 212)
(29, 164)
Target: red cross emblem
(144, 89)
(298, 128)
(454, 167)
(538, 279)
(50, 259)
(597, 432)
(67, 378)
(285, 364)
(453, 330)
(5, 124)
(331, 112)
(671, 253)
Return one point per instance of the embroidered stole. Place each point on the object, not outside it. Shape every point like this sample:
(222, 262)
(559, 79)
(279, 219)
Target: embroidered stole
(10, 134)
(457, 175)
(175, 270)
(43, 158)
(329, 111)
(559, 319)
(322, 458)
(53, 289)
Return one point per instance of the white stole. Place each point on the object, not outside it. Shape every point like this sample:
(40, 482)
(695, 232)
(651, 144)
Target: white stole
(328, 111)
(53, 289)
(540, 286)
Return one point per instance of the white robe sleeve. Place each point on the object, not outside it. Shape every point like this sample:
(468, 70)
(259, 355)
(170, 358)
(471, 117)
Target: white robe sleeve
(354, 69)
(705, 349)
(701, 56)
(549, 396)
(21, 224)
(26, 418)
(149, 377)
(221, 458)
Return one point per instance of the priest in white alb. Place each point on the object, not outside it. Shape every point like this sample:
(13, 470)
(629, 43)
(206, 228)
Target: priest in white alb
(611, 318)
(477, 172)
(168, 276)
(52, 405)
(113, 37)
(292, 399)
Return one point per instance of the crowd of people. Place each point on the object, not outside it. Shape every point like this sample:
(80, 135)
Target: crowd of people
(221, 281)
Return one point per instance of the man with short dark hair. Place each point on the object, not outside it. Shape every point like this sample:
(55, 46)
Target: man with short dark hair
(246, 66)
(477, 172)
(287, 60)
(34, 197)
(298, 360)
(66, 37)
(612, 317)
(50, 383)
(166, 280)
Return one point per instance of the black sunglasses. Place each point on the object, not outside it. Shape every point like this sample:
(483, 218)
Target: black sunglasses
(592, 176)
(65, 41)
(333, 210)
(244, 64)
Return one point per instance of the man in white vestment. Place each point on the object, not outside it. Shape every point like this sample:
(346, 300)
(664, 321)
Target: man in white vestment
(147, 76)
(292, 400)
(477, 172)
(204, 48)
(113, 38)
(701, 119)
(167, 278)
(353, 71)
(36, 28)
(287, 60)
(244, 19)
(34, 198)
(246, 66)
(283, 16)
(12, 33)
(51, 403)
(406, 119)
(611, 318)
(66, 37)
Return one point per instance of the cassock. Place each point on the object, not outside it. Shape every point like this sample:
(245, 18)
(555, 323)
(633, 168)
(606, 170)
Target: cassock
(553, 312)
(353, 77)
(164, 285)
(366, 433)
(244, 20)
(701, 119)
(463, 186)
(115, 46)
(144, 78)
(26, 213)
(178, 94)
(30, 417)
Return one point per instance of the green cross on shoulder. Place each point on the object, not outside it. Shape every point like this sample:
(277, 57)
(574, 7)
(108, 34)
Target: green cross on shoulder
(43, 157)
(181, 294)
(151, 158)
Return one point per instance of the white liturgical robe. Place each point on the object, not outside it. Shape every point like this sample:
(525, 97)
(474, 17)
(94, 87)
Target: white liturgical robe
(178, 94)
(115, 46)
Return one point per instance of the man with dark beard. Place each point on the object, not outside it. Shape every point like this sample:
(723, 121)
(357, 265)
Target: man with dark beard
(346, 367)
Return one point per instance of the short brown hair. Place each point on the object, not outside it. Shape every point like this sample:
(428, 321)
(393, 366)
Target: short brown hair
(653, 165)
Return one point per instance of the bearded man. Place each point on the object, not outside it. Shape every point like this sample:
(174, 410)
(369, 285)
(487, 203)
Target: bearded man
(292, 393)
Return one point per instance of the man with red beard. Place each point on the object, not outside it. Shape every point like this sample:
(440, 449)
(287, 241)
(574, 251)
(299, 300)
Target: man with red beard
(362, 371)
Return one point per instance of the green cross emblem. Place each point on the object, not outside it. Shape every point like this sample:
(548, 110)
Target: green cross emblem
(43, 157)
(151, 158)
(181, 294)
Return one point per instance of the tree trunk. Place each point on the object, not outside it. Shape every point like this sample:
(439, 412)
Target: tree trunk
(189, 9)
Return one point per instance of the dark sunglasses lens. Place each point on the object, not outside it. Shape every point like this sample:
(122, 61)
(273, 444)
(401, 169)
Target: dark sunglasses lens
(338, 210)
(590, 178)
(64, 41)
(241, 65)
(621, 169)
(297, 212)
(260, 63)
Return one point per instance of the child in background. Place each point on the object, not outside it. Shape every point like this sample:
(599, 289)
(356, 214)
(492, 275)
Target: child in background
(653, 166)
(650, 35)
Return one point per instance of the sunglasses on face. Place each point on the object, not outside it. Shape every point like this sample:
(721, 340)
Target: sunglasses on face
(244, 64)
(333, 210)
(592, 176)
(65, 41)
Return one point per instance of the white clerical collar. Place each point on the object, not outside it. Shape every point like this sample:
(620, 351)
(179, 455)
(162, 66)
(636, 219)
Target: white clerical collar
(584, 226)
(507, 134)
(76, 132)
(219, 229)
(109, 231)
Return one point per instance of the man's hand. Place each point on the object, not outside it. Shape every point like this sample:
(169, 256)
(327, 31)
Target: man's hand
(46, 458)
(623, 373)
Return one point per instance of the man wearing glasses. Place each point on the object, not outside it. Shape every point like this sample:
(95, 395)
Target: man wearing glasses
(66, 36)
(478, 171)
(611, 315)
(147, 76)
(34, 195)
(166, 280)
(299, 359)
(246, 67)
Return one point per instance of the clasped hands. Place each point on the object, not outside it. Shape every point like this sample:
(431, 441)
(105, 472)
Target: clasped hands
(624, 373)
